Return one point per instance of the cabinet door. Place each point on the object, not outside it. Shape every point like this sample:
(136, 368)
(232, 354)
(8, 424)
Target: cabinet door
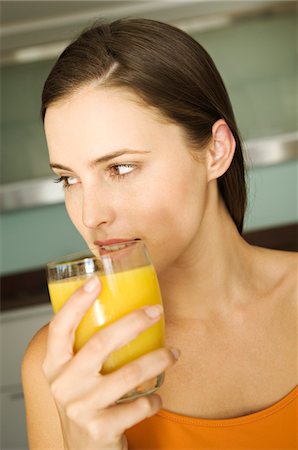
(13, 424)
(17, 329)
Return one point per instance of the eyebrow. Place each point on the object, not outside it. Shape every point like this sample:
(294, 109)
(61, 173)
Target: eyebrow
(103, 159)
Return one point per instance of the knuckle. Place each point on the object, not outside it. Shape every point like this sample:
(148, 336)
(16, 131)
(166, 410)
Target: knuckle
(54, 326)
(57, 391)
(73, 411)
(131, 373)
(144, 406)
(48, 370)
(140, 320)
(166, 357)
(95, 429)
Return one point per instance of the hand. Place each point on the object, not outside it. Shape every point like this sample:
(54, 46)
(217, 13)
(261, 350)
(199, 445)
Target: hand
(85, 399)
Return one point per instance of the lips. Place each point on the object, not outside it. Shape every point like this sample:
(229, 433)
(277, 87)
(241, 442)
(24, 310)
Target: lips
(113, 245)
(113, 241)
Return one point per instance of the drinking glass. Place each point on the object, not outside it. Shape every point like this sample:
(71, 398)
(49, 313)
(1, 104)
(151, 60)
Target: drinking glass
(129, 281)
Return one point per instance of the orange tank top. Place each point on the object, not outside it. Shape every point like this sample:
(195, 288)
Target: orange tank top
(272, 428)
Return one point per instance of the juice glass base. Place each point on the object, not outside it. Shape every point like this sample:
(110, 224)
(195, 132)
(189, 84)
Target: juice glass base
(146, 388)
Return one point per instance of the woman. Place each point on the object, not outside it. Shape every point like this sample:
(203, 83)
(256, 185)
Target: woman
(141, 131)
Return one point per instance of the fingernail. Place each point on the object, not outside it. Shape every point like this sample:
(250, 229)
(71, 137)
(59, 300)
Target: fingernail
(91, 285)
(153, 311)
(175, 352)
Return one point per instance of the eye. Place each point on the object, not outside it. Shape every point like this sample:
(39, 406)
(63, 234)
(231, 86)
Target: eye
(121, 170)
(67, 181)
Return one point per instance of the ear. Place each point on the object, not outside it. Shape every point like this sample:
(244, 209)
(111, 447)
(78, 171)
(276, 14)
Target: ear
(221, 150)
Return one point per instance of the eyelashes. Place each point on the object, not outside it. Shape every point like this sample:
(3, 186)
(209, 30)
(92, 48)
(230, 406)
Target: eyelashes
(64, 180)
(113, 170)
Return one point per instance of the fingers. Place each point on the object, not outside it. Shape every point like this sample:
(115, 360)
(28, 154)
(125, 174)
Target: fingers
(126, 415)
(113, 386)
(62, 327)
(92, 356)
(112, 422)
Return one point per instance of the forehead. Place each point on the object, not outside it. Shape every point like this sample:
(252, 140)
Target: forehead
(104, 118)
(91, 104)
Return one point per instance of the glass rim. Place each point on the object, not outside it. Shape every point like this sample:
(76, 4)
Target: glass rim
(70, 258)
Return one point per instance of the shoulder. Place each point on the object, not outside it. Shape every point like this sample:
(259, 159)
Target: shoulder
(36, 350)
(275, 277)
(289, 263)
(32, 373)
(279, 275)
(275, 274)
(284, 266)
(278, 265)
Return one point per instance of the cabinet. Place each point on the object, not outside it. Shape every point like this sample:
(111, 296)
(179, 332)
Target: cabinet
(17, 327)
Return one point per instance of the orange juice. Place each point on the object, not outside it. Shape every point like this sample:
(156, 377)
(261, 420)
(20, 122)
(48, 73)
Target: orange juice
(121, 293)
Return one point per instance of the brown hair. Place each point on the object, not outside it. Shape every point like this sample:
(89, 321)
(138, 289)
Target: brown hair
(169, 71)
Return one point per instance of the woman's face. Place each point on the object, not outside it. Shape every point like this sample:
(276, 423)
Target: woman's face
(128, 175)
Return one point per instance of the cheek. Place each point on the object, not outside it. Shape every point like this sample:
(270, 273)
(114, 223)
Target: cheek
(177, 215)
(172, 216)
(177, 203)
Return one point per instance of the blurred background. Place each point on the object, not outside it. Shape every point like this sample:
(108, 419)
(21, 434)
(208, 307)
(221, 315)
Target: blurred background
(253, 44)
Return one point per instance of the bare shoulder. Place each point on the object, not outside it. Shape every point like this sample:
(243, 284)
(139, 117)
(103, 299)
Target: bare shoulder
(280, 267)
(279, 274)
(43, 424)
(282, 257)
(287, 287)
(275, 275)
(36, 350)
(290, 264)
(288, 260)
(285, 266)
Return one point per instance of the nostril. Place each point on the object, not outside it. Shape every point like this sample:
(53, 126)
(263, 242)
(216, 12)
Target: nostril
(93, 222)
(98, 208)
(94, 219)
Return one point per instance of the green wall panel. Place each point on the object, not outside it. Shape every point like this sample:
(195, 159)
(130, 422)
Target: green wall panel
(32, 237)
(272, 196)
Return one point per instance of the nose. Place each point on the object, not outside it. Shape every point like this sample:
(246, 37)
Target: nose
(97, 209)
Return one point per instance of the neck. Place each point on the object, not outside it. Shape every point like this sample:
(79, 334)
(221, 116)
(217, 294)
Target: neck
(212, 274)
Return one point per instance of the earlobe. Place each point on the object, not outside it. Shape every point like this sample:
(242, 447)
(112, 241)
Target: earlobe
(221, 150)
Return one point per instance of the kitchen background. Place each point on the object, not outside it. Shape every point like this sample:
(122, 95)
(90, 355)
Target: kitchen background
(254, 45)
